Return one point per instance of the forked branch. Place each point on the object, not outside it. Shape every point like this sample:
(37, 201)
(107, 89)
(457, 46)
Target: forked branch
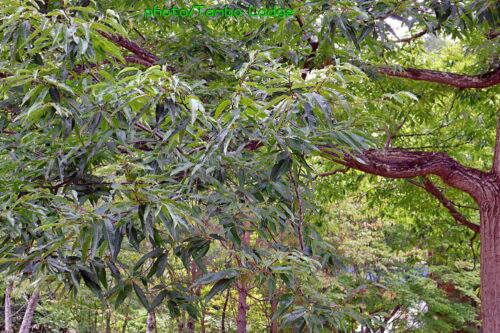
(396, 163)
(429, 186)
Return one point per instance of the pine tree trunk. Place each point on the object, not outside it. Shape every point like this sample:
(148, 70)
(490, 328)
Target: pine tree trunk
(8, 308)
(150, 323)
(490, 264)
(30, 310)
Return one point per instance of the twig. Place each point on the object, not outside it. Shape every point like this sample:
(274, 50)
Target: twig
(326, 174)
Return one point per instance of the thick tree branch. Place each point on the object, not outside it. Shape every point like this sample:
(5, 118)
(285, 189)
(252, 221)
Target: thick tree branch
(428, 186)
(396, 163)
(131, 46)
(456, 80)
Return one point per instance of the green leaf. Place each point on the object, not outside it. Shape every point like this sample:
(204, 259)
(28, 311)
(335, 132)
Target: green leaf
(158, 299)
(281, 168)
(221, 107)
(212, 277)
(152, 254)
(142, 297)
(220, 286)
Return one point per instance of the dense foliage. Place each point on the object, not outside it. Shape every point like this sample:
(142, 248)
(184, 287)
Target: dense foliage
(173, 171)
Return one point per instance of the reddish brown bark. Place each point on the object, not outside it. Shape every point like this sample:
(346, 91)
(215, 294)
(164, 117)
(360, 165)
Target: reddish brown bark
(456, 80)
(432, 189)
(395, 163)
(274, 307)
(241, 286)
(490, 260)
(131, 46)
(191, 322)
(484, 187)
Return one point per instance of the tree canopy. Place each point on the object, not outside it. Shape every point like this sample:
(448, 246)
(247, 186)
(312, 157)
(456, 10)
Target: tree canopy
(221, 172)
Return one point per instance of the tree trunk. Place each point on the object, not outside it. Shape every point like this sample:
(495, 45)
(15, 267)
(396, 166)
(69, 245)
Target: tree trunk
(8, 308)
(490, 263)
(124, 327)
(274, 322)
(191, 322)
(108, 321)
(241, 318)
(224, 309)
(30, 310)
(150, 323)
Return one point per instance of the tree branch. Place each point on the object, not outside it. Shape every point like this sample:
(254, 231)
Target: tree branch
(397, 163)
(492, 34)
(409, 39)
(129, 59)
(326, 174)
(131, 46)
(428, 186)
(456, 80)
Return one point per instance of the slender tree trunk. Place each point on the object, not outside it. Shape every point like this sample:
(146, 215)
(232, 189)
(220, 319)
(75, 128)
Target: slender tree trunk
(95, 318)
(108, 321)
(241, 317)
(125, 322)
(203, 313)
(194, 275)
(30, 310)
(274, 307)
(124, 327)
(490, 263)
(150, 323)
(8, 308)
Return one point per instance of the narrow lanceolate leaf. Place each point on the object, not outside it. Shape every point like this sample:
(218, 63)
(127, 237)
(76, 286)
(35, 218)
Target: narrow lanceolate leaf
(141, 296)
(281, 167)
(158, 299)
(152, 254)
(212, 277)
(219, 287)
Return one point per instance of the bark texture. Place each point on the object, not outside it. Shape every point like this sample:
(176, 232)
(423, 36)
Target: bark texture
(8, 308)
(456, 80)
(30, 310)
(484, 187)
(150, 322)
(241, 318)
(274, 307)
(490, 262)
(131, 46)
